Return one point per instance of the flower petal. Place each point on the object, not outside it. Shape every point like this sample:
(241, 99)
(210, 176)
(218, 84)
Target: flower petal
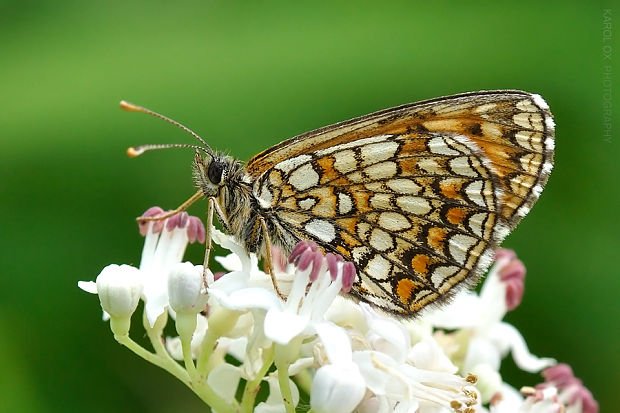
(336, 342)
(337, 388)
(282, 326)
(224, 380)
(506, 333)
(88, 286)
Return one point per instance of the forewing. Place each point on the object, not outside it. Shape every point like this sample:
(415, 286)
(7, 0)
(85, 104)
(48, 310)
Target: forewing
(514, 130)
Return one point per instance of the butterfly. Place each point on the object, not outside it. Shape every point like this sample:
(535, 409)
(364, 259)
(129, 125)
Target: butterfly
(417, 196)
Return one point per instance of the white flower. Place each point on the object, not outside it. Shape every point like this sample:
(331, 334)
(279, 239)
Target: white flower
(186, 289)
(479, 318)
(285, 320)
(119, 288)
(338, 387)
(163, 250)
(350, 357)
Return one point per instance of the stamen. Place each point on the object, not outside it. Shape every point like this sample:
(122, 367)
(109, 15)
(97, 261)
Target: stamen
(299, 249)
(317, 263)
(195, 230)
(332, 264)
(348, 276)
(143, 226)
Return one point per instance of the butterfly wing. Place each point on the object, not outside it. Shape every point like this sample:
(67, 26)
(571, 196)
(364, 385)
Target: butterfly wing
(416, 196)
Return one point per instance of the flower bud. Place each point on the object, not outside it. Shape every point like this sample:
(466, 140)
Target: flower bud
(186, 290)
(119, 289)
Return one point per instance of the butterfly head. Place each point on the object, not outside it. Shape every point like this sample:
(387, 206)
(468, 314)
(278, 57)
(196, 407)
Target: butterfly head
(212, 172)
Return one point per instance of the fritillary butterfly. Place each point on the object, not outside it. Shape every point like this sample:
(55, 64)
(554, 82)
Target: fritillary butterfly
(417, 196)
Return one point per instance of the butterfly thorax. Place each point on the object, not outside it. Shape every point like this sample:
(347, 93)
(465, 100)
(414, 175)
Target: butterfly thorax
(225, 179)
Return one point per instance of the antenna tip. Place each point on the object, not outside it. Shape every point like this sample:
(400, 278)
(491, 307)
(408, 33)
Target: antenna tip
(134, 152)
(129, 107)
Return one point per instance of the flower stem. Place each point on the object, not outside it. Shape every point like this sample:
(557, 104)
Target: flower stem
(190, 377)
(167, 364)
(252, 387)
(285, 388)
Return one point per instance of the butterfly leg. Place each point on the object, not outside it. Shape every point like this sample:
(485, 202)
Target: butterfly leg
(208, 226)
(181, 208)
(268, 263)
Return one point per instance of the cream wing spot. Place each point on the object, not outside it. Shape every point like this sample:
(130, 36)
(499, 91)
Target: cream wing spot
(381, 201)
(359, 253)
(430, 166)
(378, 267)
(307, 203)
(362, 230)
(413, 205)
(459, 245)
(344, 161)
(460, 166)
(404, 186)
(393, 221)
(265, 198)
(304, 177)
(522, 119)
(374, 186)
(438, 145)
(381, 240)
(345, 203)
(321, 229)
(441, 275)
(378, 152)
(381, 170)
(491, 129)
(476, 221)
(292, 163)
(474, 193)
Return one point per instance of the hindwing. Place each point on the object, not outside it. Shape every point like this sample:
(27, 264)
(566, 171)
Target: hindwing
(417, 196)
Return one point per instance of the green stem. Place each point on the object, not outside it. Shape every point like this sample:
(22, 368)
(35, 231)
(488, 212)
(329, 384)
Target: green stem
(252, 387)
(285, 387)
(208, 344)
(189, 361)
(167, 364)
(191, 378)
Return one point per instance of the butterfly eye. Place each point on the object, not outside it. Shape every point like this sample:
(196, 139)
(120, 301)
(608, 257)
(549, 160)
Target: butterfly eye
(215, 172)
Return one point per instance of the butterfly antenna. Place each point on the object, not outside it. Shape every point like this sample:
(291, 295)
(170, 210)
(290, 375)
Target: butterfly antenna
(139, 150)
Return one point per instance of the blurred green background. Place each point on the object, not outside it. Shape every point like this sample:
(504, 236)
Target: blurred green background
(245, 76)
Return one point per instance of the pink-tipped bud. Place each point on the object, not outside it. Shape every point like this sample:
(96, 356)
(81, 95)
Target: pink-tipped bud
(143, 226)
(513, 275)
(305, 259)
(504, 253)
(583, 395)
(317, 264)
(297, 251)
(560, 375)
(195, 230)
(177, 221)
(332, 264)
(348, 276)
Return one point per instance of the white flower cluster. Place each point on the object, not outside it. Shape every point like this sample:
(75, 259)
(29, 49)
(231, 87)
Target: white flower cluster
(346, 356)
